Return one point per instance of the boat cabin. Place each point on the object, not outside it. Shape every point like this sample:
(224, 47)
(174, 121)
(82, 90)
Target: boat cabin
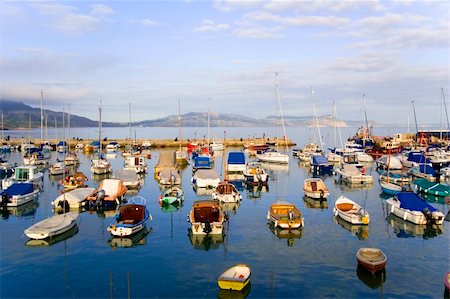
(207, 211)
(131, 214)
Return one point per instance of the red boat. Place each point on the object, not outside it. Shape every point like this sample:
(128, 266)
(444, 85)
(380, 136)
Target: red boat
(371, 259)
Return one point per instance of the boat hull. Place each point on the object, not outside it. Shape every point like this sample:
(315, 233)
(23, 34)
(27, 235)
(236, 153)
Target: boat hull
(371, 259)
(41, 231)
(235, 278)
(416, 217)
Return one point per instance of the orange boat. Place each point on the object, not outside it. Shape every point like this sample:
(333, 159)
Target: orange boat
(110, 191)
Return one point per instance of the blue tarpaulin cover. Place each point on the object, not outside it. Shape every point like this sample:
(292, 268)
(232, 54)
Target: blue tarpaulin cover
(413, 202)
(427, 169)
(417, 157)
(319, 160)
(202, 162)
(19, 189)
(236, 158)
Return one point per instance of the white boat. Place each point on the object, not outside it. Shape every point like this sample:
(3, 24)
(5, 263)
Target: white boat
(363, 157)
(349, 173)
(129, 177)
(333, 157)
(235, 278)
(172, 196)
(389, 162)
(350, 211)
(146, 144)
(255, 174)
(136, 163)
(24, 174)
(273, 157)
(206, 218)
(226, 192)
(52, 226)
(59, 168)
(100, 166)
(169, 176)
(131, 218)
(71, 159)
(74, 199)
(112, 147)
(217, 145)
(411, 207)
(18, 194)
(206, 178)
(79, 146)
(315, 188)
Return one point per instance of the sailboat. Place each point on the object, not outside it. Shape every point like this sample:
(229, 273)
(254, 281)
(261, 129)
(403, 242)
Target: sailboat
(275, 156)
(100, 165)
(71, 158)
(181, 155)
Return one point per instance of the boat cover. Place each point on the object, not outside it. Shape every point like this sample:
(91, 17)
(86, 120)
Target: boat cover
(202, 162)
(62, 143)
(319, 160)
(413, 202)
(19, 189)
(432, 185)
(236, 158)
(427, 169)
(417, 157)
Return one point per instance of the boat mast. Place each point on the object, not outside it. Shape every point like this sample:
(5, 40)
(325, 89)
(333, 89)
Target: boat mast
(42, 116)
(3, 137)
(209, 119)
(129, 112)
(100, 129)
(365, 115)
(68, 124)
(56, 129)
(281, 113)
(179, 123)
(334, 124)
(415, 118)
(317, 120)
(445, 108)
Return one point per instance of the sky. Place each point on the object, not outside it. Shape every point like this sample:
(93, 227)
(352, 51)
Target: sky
(153, 53)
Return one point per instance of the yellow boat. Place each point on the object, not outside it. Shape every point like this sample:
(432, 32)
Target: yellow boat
(235, 278)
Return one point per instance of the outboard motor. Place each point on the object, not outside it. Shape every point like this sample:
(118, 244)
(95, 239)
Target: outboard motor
(427, 213)
(5, 200)
(207, 228)
(64, 205)
(100, 197)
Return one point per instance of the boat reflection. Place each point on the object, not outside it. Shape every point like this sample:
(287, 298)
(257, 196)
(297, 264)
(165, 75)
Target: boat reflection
(203, 191)
(205, 242)
(314, 203)
(169, 208)
(406, 229)
(238, 183)
(255, 192)
(100, 177)
(348, 187)
(139, 238)
(361, 231)
(230, 206)
(274, 167)
(58, 238)
(289, 234)
(229, 294)
(373, 281)
(104, 212)
(27, 209)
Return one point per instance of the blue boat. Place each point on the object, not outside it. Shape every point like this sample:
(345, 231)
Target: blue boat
(131, 218)
(202, 162)
(320, 165)
(236, 162)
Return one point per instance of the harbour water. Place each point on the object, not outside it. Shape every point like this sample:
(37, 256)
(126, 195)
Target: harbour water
(166, 262)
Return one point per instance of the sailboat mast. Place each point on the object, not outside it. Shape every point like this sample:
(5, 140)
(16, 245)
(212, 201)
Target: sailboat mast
(334, 123)
(100, 129)
(42, 116)
(209, 118)
(68, 124)
(129, 112)
(281, 113)
(179, 123)
(277, 115)
(445, 108)
(415, 118)
(316, 119)
(365, 114)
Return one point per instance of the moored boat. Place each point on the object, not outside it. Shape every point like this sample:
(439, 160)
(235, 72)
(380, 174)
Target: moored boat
(206, 217)
(285, 215)
(131, 217)
(74, 181)
(350, 211)
(73, 199)
(226, 192)
(371, 259)
(52, 226)
(18, 194)
(110, 191)
(235, 278)
(315, 188)
(171, 196)
(433, 188)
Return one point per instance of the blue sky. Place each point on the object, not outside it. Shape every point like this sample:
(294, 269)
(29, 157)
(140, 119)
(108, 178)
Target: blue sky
(152, 53)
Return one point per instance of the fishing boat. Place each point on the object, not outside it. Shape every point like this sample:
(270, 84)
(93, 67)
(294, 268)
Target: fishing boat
(18, 194)
(235, 278)
(206, 217)
(77, 180)
(74, 199)
(433, 188)
(285, 215)
(254, 174)
(171, 196)
(411, 207)
(315, 188)
(110, 191)
(131, 217)
(350, 211)
(226, 192)
(371, 259)
(53, 226)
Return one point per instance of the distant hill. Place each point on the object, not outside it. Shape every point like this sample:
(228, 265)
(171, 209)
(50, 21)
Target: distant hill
(17, 115)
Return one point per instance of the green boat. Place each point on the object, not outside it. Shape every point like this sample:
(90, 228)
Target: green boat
(433, 188)
(173, 196)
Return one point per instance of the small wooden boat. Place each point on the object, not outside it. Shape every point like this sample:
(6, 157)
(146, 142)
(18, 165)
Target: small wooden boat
(52, 226)
(285, 215)
(235, 278)
(131, 218)
(74, 199)
(372, 259)
(74, 181)
(206, 217)
(390, 188)
(226, 192)
(350, 211)
(315, 188)
(172, 196)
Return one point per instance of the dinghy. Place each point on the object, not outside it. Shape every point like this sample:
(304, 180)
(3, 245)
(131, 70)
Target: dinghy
(52, 226)
(350, 211)
(371, 259)
(235, 278)
(226, 192)
(171, 196)
(74, 199)
(110, 191)
(131, 218)
(315, 188)
(285, 215)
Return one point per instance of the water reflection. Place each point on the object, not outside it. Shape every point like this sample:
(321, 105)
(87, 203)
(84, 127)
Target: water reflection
(139, 238)
(49, 242)
(255, 192)
(169, 208)
(229, 294)
(230, 206)
(373, 281)
(98, 178)
(104, 212)
(313, 203)
(205, 242)
(406, 229)
(361, 231)
(289, 234)
(203, 191)
(27, 209)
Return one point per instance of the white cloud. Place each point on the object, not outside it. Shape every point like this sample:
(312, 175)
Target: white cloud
(259, 32)
(10, 10)
(211, 26)
(101, 9)
(145, 22)
(230, 5)
(315, 21)
(323, 6)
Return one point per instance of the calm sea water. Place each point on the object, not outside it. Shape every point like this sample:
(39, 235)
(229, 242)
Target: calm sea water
(167, 262)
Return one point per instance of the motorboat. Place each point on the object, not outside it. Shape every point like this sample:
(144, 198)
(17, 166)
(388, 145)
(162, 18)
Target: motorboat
(71, 159)
(171, 196)
(77, 180)
(110, 191)
(74, 199)
(59, 168)
(136, 163)
(169, 176)
(100, 166)
(285, 215)
(433, 188)
(206, 217)
(349, 173)
(226, 192)
(411, 207)
(131, 217)
(254, 174)
(235, 278)
(18, 194)
(235, 163)
(273, 157)
(315, 188)
(23, 174)
(205, 178)
(350, 211)
(371, 259)
(53, 226)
